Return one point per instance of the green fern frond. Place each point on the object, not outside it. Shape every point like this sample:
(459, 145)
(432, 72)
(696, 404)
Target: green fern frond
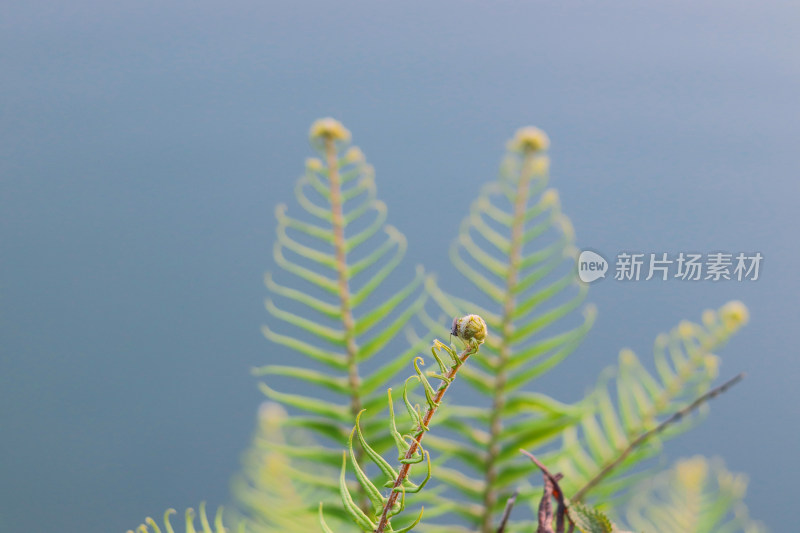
(151, 526)
(517, 248)
(332, 307)
(685, 365)
(377, 517)
(695, 495)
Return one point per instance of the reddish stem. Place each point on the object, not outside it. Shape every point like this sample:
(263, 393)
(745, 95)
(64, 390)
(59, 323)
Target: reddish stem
(403, 474)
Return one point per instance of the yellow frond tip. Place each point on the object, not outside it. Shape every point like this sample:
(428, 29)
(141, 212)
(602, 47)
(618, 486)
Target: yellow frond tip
(712, 365)
(627, 357)
(692, 472)
(662, 339)
(354, 155)
(271, 412)
(550, 198)
(686, 329)
(313, 164)
(529, 139)
(329, 128)
(734, 314)
(733, 483)
(709, 317)
(540, 165)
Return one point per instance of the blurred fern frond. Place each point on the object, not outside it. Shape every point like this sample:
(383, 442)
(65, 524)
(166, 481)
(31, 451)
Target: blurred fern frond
(517, 248)
(151, 526)
(335, 309)
(685, 368)
(266, 491)
(696, 495)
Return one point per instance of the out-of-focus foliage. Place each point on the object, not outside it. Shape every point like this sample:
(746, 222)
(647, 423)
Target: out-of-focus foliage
(686, 366)
(151, 526)
(696, 495)
(268, 490)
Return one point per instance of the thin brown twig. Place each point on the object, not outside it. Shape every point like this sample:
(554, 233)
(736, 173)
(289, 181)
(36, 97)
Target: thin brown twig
(638, 441)
(507, 512)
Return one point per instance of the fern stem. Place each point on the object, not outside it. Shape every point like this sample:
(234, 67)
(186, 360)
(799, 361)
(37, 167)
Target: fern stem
(345, 307)
(417, 440)
(643, 437)
(504, 351)
(341, 269)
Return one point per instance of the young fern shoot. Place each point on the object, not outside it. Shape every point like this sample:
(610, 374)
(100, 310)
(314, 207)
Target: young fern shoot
(471, 329)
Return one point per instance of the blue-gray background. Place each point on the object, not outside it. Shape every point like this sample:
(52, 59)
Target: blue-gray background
(144, 145)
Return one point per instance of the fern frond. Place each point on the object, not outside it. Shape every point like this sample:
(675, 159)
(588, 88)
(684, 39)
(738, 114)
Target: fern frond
(151, 526)
(516, 247)
(332, 304)
(377, 518)
(696, 495)
(686, 366)
(273, 491)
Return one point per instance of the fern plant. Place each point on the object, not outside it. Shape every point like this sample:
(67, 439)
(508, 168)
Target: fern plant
(337, 256)
(517, 248)
(340, 314)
